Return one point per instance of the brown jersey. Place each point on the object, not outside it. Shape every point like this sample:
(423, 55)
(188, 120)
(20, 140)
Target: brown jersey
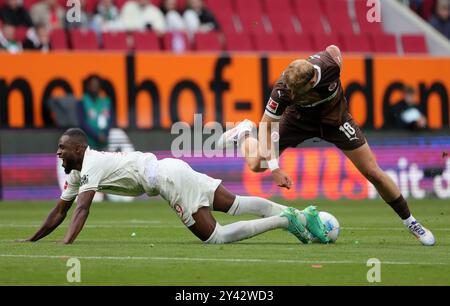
(324, 103)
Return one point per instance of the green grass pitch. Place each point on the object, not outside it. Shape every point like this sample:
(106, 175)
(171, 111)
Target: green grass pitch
(164, 252)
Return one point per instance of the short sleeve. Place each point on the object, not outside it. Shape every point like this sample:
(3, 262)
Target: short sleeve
(71, 186)
(278, 102)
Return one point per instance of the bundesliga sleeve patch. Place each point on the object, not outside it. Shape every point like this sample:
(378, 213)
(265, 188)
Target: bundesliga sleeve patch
(272, 106)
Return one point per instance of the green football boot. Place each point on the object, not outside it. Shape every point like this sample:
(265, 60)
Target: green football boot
(295, 226)
(314, 225)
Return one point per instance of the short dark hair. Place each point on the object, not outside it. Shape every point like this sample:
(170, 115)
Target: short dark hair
(78, 135)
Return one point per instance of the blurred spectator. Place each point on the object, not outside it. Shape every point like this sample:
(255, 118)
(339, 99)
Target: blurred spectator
(107, 17)
(15, 14)
(198, 18)
(85, 19)
(48, 12)
(94, 114)
(142, 15)
(8, 40)
(38, 38)
(174, 21)
(441, 17)
(406, 114)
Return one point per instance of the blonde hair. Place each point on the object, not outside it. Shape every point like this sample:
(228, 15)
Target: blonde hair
(298, 74)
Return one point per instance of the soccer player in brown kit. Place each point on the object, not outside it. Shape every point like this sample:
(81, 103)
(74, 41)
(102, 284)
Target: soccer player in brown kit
(308, 101)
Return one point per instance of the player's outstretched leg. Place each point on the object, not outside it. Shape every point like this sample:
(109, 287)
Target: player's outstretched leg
(210, 231)
(365, 162)
(231, 204)
(244, 136)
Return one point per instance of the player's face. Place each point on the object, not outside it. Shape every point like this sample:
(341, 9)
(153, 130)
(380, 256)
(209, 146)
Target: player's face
(67, 151)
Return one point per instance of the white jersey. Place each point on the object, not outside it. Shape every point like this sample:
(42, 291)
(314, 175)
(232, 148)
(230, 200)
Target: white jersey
(118, 173)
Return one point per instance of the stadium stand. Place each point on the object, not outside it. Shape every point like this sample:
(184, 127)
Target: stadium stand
(259, 25)
(146, 41)
(207, 42)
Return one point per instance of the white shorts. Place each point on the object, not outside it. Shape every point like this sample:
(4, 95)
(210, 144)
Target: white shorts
(185, 189)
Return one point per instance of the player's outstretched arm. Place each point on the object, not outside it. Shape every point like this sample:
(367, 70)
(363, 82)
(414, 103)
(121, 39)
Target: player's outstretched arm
(54, 219)
(268, 152)
(80, 215)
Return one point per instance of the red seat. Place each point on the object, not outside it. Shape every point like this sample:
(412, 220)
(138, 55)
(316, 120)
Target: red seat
(146, 41)
(307, 7)
(252, 22)
(21, 33)
(226, 22)
(297, 42)
(218, 7)
(28, 3)
(238, 42)
(321, 41)
(91, 6)
(176, 42)
(267, 42)
(58, 39)
(181, 5)
(250, 14)
(356, 43)
(384, 43)
(248, 6)
(117, 41)
(414, 44)
(336, 7)
(207, 41)
(120, 3)
(84, 40)
(281, 22)
(278, 6)
(311, 24)
(340, 23)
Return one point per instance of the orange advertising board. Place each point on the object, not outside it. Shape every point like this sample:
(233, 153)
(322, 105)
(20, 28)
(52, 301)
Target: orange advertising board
(155, 90)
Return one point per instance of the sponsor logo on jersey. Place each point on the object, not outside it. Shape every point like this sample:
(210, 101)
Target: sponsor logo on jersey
(84, 180)
(65, 185)
(272, 106)
(332, 86)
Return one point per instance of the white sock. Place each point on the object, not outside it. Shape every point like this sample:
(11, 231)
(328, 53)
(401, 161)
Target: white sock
(255, 206)
(245, 229)
(407, 222)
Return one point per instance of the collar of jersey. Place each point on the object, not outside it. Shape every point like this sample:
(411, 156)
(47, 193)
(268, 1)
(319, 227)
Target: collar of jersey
(319, 75)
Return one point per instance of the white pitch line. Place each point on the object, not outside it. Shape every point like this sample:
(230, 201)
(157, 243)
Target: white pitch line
(158, 225)
(231, 260)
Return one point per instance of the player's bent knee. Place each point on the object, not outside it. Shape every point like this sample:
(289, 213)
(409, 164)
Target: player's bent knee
(217, 236)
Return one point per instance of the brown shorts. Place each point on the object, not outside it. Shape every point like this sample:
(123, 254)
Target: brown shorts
(294, 130)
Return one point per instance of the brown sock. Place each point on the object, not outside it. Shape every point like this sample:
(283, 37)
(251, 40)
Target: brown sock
(400, 207)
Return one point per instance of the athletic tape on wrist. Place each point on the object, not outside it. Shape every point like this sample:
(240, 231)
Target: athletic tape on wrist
(273, 164)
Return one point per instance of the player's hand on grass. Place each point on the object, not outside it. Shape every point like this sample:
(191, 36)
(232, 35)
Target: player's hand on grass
(282, 179)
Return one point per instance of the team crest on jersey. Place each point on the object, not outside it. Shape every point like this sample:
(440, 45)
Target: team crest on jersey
(179, 210)
(84, 180)
(272, 105)
(332, 86)
(65, 185)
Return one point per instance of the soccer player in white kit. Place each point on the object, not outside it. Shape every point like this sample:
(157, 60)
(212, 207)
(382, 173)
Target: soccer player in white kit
(191, 194)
